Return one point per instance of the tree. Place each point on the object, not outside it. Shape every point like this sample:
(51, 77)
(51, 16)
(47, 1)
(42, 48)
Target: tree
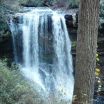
(86, 51)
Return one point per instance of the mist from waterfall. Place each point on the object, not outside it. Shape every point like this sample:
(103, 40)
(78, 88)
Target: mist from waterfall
(43, 49)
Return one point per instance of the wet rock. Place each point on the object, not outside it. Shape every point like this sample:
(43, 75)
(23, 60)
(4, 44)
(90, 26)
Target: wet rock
(69, 17)
(28, 5)
(102, 25)
(69, 20)
(16, 19)
(6, 46)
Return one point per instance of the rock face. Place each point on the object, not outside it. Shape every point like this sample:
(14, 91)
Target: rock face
(5, 39)
(69, 20)
(6, 46)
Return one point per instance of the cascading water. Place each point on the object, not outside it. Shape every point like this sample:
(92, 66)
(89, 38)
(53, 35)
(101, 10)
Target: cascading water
(42, 48)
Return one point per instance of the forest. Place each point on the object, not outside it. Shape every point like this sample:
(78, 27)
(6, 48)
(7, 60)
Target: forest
(51, 52)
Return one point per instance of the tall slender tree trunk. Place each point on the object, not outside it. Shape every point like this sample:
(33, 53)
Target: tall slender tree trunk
(86, 51)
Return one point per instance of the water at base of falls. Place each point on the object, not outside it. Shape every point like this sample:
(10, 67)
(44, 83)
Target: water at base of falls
(42, 48)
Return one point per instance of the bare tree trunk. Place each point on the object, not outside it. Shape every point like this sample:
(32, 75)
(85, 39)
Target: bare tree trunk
(86, 51)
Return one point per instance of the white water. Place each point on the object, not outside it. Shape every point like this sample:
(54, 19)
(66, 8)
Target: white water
(42, 47)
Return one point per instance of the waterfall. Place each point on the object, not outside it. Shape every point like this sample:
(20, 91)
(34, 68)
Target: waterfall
(43, 49)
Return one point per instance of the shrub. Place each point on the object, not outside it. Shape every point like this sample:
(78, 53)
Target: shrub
(14, 89)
